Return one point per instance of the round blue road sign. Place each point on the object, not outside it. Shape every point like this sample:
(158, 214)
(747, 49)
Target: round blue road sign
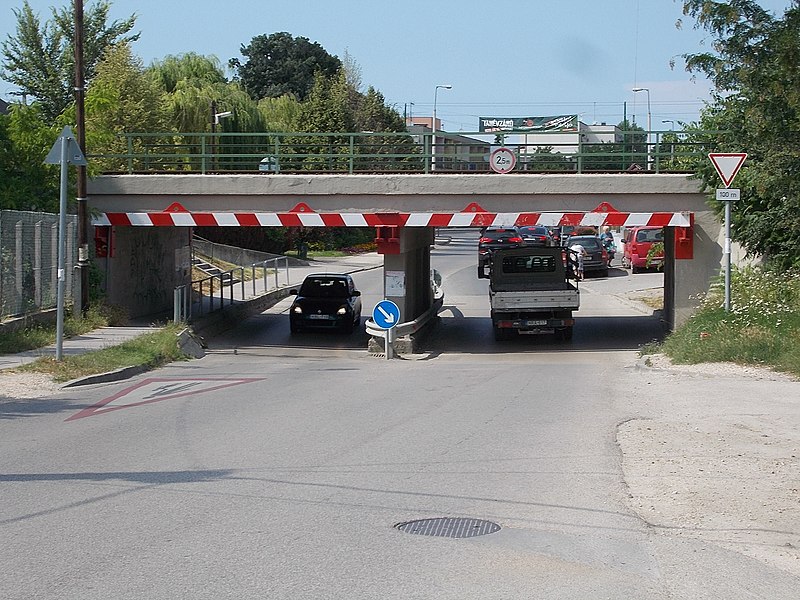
(386, 314)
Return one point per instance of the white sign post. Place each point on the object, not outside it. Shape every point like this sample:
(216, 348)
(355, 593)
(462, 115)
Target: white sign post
(727, 165)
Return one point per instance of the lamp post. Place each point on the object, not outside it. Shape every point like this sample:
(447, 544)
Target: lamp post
(445, 86)
(649, 124)
(215, 117)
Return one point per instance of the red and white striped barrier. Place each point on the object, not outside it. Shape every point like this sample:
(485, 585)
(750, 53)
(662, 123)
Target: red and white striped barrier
(390, 219)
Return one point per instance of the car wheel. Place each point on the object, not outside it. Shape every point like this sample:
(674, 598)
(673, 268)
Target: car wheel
(604, 272)
(502, 334)
(635, 269)
(293, 329)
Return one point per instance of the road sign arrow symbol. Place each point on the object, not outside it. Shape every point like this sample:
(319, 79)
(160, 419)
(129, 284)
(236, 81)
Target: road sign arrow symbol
(388, 316)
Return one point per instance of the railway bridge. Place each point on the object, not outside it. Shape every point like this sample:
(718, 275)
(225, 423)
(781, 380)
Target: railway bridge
(146, 221)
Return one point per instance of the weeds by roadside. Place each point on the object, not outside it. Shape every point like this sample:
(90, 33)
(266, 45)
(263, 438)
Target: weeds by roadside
(151, 349)
(39, 336)
(762, 327)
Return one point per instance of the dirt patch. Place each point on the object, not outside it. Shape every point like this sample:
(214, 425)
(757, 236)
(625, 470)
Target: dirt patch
(729, 477)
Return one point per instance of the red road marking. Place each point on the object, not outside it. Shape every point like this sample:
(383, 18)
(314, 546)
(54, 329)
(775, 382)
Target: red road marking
(170, 388)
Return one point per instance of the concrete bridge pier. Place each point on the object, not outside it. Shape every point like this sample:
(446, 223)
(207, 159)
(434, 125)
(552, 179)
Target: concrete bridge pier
(407, 268)
(143, 265)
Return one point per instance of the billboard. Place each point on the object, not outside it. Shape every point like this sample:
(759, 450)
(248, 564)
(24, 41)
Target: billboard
(554, 123)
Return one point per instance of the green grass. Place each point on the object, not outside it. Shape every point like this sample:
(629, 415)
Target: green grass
(39, 336)
(151, 349)
(762, 327)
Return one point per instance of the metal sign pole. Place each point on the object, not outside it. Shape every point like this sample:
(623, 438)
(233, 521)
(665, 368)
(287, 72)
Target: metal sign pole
(62, 225)
(65, 151)
(727, 253)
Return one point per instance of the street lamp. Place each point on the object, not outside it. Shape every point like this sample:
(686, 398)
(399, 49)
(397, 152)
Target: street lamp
(649, 124)
(215, 117)
(671, 123)
(445, 86)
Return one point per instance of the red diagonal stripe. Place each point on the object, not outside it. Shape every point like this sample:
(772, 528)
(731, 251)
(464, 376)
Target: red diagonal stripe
(659, 219)
(571, 218)
(204, 220)
(118, 219)
(528, 219)
(290, 219)
(247, 219)
(332, 220)
(161, 219)
(439, 220)
(616, 219)
(483, 219)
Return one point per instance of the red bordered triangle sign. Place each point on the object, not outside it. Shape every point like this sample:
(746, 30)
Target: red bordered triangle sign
(727, 164)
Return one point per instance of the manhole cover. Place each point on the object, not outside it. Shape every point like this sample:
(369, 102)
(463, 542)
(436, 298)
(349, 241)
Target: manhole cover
(452, 527)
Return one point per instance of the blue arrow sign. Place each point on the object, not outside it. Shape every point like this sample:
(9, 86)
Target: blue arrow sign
(386, 314)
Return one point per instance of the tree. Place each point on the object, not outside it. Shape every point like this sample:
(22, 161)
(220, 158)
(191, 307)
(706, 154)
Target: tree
(756, 106)
(26, 183)
(40, 59)
(123, 98)
(280, 64)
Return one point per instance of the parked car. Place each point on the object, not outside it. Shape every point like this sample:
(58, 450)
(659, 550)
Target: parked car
(494, 238)
(637, 243)
(536, 235)
(597, 257)
(326, 301)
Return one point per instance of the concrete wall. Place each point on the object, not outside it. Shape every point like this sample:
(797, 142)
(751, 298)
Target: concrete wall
(146, 266)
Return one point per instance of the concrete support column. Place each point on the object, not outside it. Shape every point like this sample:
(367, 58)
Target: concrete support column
(407, 273)
(147, 264)
(692, 277)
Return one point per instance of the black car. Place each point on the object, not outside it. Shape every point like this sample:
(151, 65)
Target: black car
(326, 301)
(597, 259)
(536, 235)
(493, 238)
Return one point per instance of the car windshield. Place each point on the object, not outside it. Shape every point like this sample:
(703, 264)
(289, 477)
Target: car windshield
(649, 235)
(501, 234)
(324, 287)
(533, 231)
(589, 243)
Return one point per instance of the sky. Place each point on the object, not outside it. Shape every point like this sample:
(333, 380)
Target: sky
(516, 58)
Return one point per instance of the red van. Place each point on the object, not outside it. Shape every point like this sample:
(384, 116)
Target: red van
(638, 241)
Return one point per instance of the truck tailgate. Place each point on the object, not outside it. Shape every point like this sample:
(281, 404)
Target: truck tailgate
(535, 301)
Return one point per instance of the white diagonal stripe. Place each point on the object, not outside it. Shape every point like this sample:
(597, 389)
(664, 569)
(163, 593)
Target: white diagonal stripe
(182, 219)
(418, 219)
(226, 219)
(311, 219)
(268, 219)
(139, 219)
(354, 219)
(505, 219)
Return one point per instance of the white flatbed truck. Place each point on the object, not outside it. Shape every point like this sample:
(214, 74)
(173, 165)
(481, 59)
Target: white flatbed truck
(531, 292)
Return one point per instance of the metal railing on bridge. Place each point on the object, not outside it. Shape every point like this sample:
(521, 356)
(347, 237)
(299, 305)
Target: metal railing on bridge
(208, 294)
(386, 152)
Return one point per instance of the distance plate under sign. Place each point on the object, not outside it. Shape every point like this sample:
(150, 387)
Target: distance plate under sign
(728, 194)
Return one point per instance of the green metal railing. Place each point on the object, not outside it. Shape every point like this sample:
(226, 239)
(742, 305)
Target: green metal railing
(537, 152)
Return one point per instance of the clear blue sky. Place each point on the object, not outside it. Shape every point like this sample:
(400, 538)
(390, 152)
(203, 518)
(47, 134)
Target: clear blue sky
(515, 58)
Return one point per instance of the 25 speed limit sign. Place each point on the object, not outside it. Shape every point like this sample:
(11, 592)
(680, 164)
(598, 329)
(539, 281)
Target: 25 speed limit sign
(502, 160)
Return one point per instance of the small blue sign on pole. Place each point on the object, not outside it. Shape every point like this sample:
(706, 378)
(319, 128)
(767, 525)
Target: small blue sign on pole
(386, 314)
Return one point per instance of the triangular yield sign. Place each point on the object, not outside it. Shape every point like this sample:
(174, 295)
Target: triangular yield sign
(727, 164)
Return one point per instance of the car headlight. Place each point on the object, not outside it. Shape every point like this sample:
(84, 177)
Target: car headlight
(297, 309)
(342, 311)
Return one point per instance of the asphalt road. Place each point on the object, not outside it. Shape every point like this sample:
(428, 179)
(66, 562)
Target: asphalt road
(278, 466)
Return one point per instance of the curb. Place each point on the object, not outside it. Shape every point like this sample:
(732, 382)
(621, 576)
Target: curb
(117, 375)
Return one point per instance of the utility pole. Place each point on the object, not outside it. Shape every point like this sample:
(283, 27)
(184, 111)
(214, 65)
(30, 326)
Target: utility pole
(80, 126)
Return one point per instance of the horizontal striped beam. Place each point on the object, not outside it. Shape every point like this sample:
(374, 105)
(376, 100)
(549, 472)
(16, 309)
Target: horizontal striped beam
(463, 219)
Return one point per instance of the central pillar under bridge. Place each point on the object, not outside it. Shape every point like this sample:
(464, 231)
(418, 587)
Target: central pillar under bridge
(407, 268)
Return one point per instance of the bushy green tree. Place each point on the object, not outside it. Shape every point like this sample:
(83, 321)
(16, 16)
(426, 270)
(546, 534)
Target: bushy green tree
(754, 67)
(40, 58)
(280, 63)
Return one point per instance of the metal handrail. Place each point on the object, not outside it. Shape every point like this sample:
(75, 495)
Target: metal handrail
(399, 152)
(183, 295)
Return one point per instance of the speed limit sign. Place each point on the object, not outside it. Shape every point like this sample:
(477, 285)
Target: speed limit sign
(502, 160)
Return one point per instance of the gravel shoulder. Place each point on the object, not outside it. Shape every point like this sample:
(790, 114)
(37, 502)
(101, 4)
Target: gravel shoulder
(716, 456)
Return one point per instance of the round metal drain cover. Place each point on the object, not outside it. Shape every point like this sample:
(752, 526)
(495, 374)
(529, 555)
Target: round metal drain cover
(452, 527)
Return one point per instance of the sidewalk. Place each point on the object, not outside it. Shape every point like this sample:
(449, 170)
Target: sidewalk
(113, 336)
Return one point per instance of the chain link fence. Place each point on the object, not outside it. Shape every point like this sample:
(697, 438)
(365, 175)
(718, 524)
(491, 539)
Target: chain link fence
(29, 261)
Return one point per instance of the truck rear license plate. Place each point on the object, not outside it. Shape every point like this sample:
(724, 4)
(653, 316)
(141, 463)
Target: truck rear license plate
(536, 323)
